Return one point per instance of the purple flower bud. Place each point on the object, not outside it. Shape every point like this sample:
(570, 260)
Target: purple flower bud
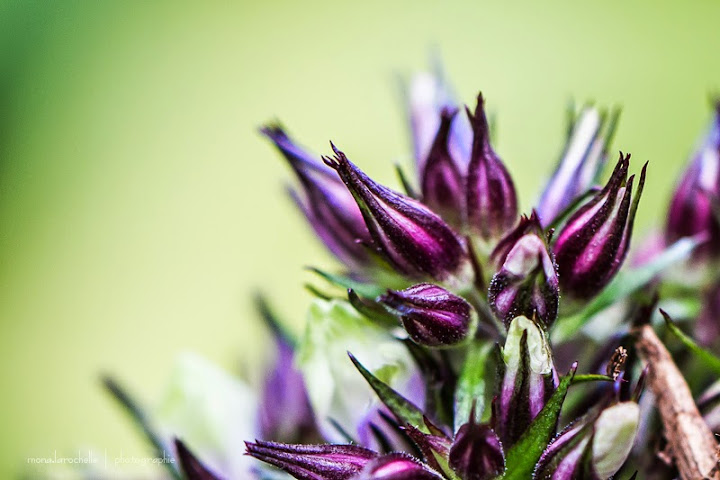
(414, 240)
(285, 413)
(428, 94)
(594, 447)
(528, 380)
(476, 453)
(328, 206)
(313, 462)
(691, 209)
(431, 315)
(582, 160)
(527, 282)
(442, 181)
(491, 199)
(191, 467)
(594, 242)
(397, 466)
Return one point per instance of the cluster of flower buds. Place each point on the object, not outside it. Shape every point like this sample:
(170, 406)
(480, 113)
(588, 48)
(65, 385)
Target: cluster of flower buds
(694, 209)
(592, 245)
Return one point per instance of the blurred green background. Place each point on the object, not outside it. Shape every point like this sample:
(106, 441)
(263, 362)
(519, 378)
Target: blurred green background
(139, 208)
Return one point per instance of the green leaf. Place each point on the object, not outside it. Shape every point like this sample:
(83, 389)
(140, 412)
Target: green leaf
(363, 289)
(625, 284)
(138, 415)
(591, 377)
(401, 407)
(471, 384)
(521, 458)
(709, 359)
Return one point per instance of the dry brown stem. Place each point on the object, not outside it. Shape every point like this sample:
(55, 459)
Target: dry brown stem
(691, 442)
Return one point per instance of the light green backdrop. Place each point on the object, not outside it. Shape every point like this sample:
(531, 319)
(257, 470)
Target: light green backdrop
(139, 208)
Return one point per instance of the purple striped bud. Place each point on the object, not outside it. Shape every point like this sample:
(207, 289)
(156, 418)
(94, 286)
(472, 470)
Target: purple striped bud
(595, 447)
(427, 96)
(328, 206)
(313, 462)
(528, 380)
(442, 181)
(580, 164)
(285, 413)
(491, 199)
(414, 240)
(397, 466)
(594, 242)
(431, 315)
(476, 453)
(527, 282)
(691, 209)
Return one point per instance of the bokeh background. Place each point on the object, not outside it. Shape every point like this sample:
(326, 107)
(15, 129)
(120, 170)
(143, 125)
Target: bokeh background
(140, 209)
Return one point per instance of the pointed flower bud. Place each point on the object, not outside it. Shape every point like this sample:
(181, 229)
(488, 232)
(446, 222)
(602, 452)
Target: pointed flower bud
(442, 180)
(527, 282)
(595, 447)
(414, 240)
(594, 242)
(431, 315)
(285, 413)
(491, 199)
(476, 453)
(580, 164)
(313, 462)
(397, 466)
(528, 381)
(691, 209)
(427, 95)
(328, 206)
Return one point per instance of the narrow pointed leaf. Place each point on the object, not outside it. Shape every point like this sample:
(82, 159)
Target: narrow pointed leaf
(192, 468)
(706, 357)
(402, 408)
(344, 282)
(137, 414)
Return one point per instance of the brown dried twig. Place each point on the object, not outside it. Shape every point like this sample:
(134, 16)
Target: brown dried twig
(691, 442)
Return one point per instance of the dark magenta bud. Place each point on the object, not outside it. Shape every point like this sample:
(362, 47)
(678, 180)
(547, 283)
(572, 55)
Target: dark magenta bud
(328, 206)
(694, 203)
(594, 447)
(442, 180)
(491, 200)
(313, 462)
(431, 315)
(397, 466)
(526, 282)
(191, 467)
(594, 242)
(527, 382)
(476, 453)
(583, 157)
(413, 239)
